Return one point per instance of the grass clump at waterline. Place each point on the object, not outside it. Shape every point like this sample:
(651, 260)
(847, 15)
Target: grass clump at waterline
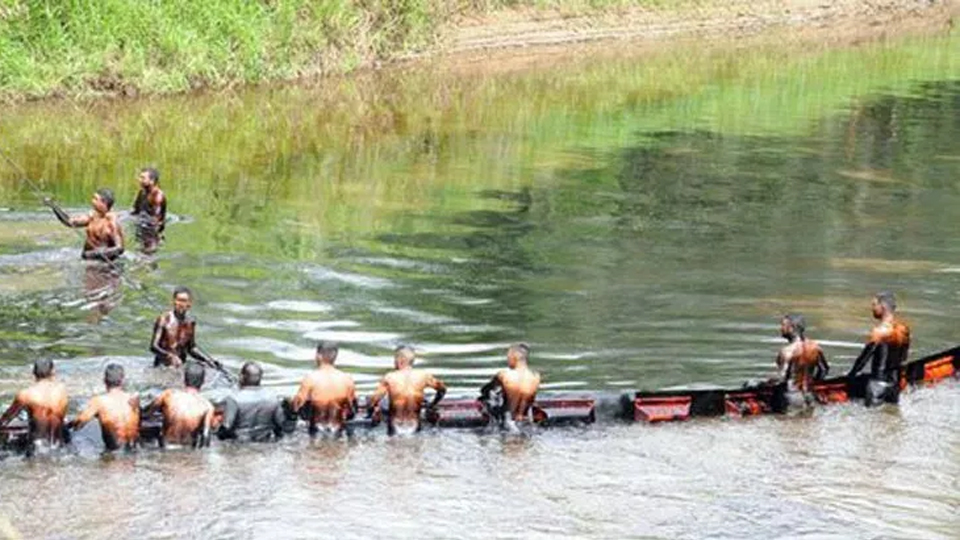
(77, 47)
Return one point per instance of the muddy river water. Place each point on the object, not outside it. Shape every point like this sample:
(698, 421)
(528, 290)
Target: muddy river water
(641, 221)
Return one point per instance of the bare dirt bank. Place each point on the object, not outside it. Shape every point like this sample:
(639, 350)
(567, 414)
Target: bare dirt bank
(516, 38)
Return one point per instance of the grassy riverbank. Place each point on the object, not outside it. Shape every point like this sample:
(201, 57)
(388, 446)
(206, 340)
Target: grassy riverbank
(126, 47)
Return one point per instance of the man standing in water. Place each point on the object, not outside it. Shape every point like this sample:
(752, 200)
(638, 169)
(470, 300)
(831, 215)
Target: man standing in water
(187, 415)
(886, 351)
(517, 385)
(405, 386)
(104, 234)
(174, 334)
(150, 207)
(118, 412)
(329, 394)
(45, 403)
(252, 413)
(800, 362)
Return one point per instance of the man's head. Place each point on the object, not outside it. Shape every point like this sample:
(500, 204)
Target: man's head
(327, 353)
(403, 357)
(113, 376)
(193, 374)
(792, 326)
(883, 303)
(517, 355)
(250, 374)
(102, 200)
(182, 301)
(42, 368)
(148, 177)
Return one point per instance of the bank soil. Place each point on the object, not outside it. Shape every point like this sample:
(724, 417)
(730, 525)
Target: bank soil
(515, 38)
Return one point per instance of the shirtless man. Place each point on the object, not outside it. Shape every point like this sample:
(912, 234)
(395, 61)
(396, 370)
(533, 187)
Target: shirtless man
(45, 403)
(187, 415)
(118, 412)
(174, 334)
(518, 385)
(405, 386)
(150, 207)
(886, 350)
(104, 235)
(252, 413)
(800, 362)
(329, 393)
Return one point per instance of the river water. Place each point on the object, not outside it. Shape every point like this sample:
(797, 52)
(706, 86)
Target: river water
(642, 220)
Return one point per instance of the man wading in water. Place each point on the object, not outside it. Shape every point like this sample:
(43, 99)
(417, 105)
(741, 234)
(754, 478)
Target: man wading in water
(799, 363)
(886, 351)
(45, 403)
(328, 393)
(150, 207)
(104, 234)
(187, 416)
(405, 387)
(118, 412)
(174, 334)
(251, 413)
(518, 385)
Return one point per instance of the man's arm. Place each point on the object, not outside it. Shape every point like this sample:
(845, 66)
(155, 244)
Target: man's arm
(382, 390)
(156, 404)
(351, 401)
(64, 217)
(862, 359)
(494, 384)
(822, 369)
(13, 410)
(89, 413)
(303, 394)
(439, 387)
(198, 354)
(138, 203)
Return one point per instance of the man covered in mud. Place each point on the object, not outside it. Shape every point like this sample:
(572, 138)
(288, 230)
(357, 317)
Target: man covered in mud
(104, 235)
(117, 411)
(510, 394)
(150, 208)
(187, 415)
(46, 405)
(886, 351)
(251, 413)
(800, 362)
(328, 394)
(174, 334)
(405, 387)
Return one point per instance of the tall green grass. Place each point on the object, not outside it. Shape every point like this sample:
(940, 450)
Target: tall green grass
(129, 46)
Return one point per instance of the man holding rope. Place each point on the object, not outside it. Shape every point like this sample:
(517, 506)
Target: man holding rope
(104, 241)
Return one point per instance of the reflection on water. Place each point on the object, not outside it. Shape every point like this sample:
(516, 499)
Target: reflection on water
(635, 240)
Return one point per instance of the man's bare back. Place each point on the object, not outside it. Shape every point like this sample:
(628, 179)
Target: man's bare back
(187, 415)
(119, 415)
(405, 387)
(46, 405)
(518, 383)
(331, 395)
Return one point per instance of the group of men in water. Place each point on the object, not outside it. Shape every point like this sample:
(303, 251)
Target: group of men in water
(327, 396)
